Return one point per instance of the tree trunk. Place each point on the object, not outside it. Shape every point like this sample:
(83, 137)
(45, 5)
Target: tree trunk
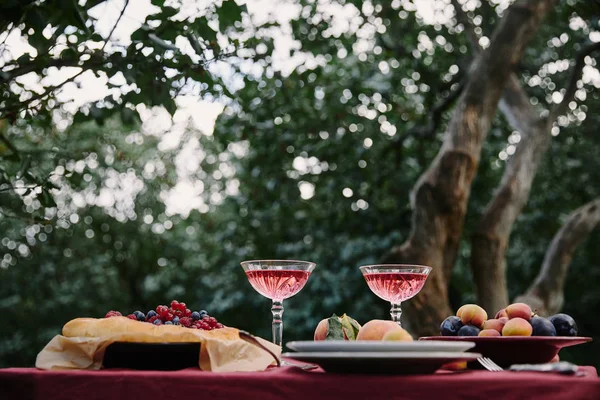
(440, 197)
(546, 293)
(490, 240)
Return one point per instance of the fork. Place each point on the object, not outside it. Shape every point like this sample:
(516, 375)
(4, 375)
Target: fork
(489, 364)
(563, 367)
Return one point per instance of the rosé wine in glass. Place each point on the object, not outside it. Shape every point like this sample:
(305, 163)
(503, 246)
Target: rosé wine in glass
(395, 283)
(277, 284)
(277, 280)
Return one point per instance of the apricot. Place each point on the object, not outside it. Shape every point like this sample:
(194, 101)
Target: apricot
(503, 319)
(455, 366)
(399, 334)
(517, 327)
(519, 310)
(461, 309)
(321, 331)
(376, 329)
(501, 313)
(489, 332)
(472, 314)
(495, 324)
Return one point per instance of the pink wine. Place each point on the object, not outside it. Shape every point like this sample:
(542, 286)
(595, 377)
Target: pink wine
(395, 287)
(277, 284)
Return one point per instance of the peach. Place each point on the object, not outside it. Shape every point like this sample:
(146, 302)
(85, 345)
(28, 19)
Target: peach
(461, 309)
(455, 366)
(322, 328)
(519, 310)
(339, 328)
(376, 329)
(399, 334)
(489, 332)
(495, 324)
(517, 327)
(503, 319)
(501, 313)
(472, 314)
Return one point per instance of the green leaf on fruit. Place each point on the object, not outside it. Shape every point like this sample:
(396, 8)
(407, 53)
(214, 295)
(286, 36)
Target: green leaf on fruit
(350, 327)
(334, 329)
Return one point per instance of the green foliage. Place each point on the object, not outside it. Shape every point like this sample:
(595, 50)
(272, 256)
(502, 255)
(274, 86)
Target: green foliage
(324, 158)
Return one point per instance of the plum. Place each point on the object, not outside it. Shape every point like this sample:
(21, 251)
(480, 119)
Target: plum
(468, 330)
(450, 326)
(542, 327)
(564, 324)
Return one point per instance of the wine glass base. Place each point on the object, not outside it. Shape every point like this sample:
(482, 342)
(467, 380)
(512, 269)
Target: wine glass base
(306, 367)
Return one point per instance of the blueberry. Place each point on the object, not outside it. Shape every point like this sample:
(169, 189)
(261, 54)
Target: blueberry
(168, 323)
(175, 321)
(468, 330)
(196, 316)
(564, 324)
(139, 315)
(203, 313)
(151, 314)
(157, 322)
(542, 327)
(450, 326)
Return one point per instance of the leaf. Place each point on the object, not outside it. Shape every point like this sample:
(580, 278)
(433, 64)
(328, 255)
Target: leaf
(229, 13)
(350, 327)
(47, 200)
(334, 328)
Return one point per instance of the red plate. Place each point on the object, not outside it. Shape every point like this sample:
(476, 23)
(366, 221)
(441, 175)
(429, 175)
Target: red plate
(508, 350)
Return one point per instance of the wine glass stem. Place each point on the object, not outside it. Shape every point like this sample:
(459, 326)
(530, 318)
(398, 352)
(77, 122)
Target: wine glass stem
(277, 311)
(396, 313)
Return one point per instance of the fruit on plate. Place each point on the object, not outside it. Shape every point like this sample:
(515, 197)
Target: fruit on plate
(564, 324)
(468, 330)
(519, 310)
(176, 314)
(376, 329)
(495, 324)
(337, 328)
(450, 326)
(489, 332)
(517, 327)
(399, 334)
(472, 314)
(542, 327)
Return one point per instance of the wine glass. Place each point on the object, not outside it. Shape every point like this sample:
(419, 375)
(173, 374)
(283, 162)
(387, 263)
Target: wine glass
(277, 280)
(395, 283)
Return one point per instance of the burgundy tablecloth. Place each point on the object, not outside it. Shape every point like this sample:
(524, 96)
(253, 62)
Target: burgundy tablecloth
(291, 383)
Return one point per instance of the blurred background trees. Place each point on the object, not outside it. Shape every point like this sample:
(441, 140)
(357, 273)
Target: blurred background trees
(114, 195)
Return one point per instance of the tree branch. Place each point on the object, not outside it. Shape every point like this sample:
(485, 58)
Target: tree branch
(546, 293)
(561, 108)
(440, 197)
(115, 25)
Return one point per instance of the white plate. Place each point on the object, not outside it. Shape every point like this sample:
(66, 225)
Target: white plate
(377, 346)
(382, 363)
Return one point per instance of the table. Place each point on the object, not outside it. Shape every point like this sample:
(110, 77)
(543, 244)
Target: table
(291, 383)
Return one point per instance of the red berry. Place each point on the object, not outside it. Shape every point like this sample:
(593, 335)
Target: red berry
(132, 316)
(152, 319)
(205, 326)
(160, 310)
(112, 313)
(212, 321)
(167, 316)
(182, 306)
(185, 321)
(219, 326)
(187, 312)
(174, 304)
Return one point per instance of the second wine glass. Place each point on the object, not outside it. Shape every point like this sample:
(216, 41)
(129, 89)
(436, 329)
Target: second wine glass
(395, 283)
(278, 280)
